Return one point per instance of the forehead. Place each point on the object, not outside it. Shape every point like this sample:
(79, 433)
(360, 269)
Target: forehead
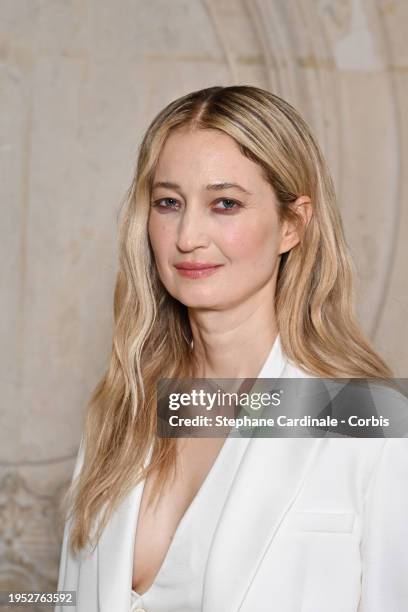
(209, 153)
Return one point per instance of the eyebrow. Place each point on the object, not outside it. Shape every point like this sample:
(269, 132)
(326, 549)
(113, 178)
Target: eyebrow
(213, 187)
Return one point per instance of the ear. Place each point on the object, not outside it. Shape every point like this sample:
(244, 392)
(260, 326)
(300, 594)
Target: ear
(291, 231)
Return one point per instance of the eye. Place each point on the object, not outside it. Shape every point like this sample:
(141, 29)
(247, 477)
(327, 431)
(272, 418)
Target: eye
(170, 201)
(171, 204)
(231, 204)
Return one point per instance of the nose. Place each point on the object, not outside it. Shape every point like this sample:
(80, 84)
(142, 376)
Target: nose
(192, 231)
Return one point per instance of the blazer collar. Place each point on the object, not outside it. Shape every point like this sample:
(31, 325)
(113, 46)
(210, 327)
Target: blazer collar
(269, 480)
(265, 487)
(267, 483)
(275, 362)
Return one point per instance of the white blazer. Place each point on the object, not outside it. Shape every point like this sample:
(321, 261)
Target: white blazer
(310, 525)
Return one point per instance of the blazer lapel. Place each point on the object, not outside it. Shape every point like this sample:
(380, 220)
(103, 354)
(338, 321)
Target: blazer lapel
(247, 526)
(269, 479)
(115, 553)
(266, 485)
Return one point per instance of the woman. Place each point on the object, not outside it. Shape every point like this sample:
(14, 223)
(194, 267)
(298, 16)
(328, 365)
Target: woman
(233, 264)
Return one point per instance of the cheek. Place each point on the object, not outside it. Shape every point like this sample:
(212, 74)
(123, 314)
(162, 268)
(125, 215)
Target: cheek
(160, 236)
(251, 243)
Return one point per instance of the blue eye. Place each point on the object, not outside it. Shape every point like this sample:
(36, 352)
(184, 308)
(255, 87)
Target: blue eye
(229, 207)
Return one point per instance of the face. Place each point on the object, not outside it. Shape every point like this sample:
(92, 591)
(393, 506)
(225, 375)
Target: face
(194, 219)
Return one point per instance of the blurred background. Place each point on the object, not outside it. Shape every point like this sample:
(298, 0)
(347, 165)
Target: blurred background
(79, 82)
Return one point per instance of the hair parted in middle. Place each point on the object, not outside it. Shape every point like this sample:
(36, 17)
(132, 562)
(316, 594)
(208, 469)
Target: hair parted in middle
(152, 335)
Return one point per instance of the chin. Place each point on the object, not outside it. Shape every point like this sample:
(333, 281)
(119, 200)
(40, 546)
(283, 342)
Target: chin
(197, 301)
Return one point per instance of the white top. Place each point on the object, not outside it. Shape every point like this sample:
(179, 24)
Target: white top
(178, 586)
(179, 582)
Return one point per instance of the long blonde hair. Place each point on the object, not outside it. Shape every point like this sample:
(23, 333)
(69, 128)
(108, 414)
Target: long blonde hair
(152, 335)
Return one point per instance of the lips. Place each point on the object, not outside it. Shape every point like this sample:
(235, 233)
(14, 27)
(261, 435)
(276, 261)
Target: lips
(196, 266)
(197, 270)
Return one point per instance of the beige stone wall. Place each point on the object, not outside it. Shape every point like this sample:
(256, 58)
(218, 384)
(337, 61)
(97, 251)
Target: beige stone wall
(79, 81)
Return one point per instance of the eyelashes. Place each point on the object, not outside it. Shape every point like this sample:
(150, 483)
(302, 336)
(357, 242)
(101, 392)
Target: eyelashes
(232, 205)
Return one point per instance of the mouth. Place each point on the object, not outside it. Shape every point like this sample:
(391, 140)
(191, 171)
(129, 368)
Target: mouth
(190, 270)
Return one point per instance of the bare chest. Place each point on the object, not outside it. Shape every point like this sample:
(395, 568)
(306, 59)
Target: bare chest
(157, 524)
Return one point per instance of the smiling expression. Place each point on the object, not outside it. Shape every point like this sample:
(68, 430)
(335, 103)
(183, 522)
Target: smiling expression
(211, 205)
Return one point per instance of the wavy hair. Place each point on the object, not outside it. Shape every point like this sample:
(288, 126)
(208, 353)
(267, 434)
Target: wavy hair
(152, 335)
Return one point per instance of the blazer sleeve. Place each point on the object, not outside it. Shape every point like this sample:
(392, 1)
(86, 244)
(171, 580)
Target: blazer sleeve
(384, 543)
(66, 579)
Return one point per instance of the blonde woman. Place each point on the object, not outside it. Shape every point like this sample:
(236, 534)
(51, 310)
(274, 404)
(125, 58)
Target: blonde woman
(233, 264)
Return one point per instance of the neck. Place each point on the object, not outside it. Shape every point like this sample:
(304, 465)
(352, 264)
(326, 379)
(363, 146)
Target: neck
(233, 343)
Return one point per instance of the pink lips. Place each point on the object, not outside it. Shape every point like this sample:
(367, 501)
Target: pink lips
(192, 269)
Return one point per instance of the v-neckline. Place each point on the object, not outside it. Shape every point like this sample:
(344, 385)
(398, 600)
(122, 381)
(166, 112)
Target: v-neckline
(272, 367)
(188, 511)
